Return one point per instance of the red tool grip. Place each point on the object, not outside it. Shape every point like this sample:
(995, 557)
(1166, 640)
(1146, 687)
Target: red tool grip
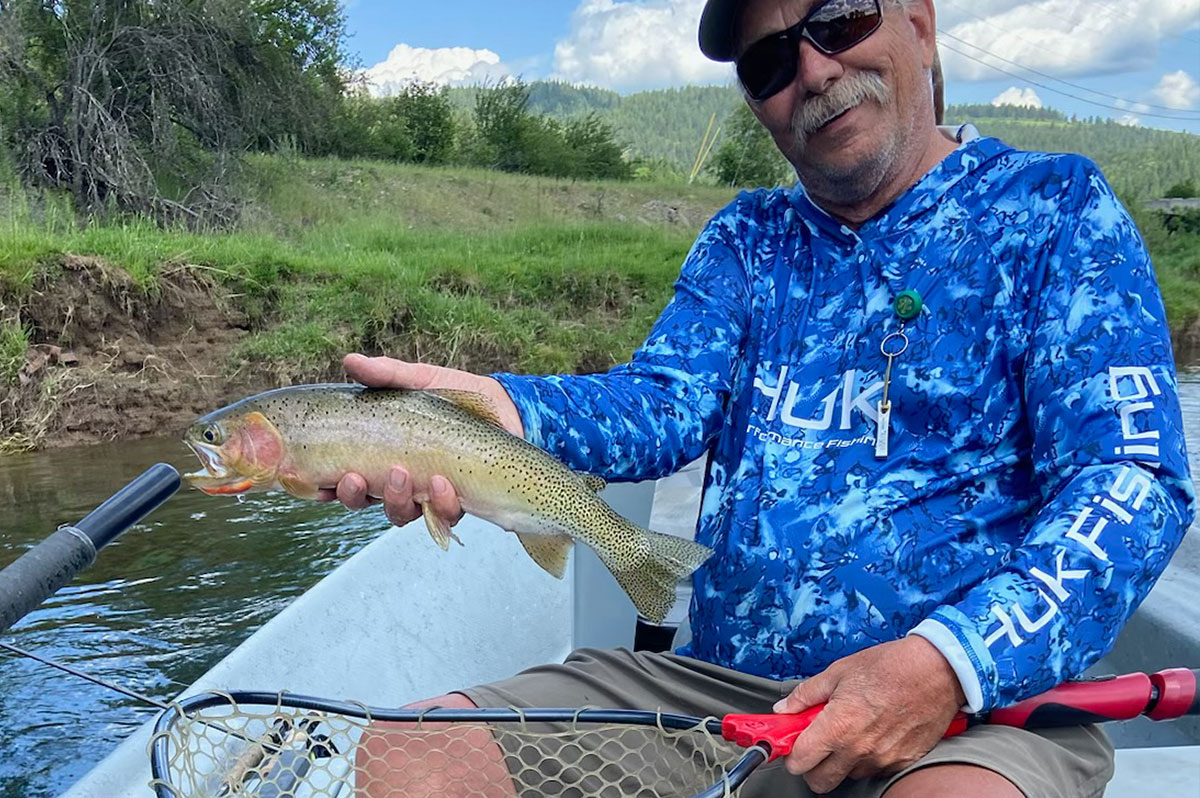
(1080, 702)
(777, 732)
(1164, 695)
(1177, 694)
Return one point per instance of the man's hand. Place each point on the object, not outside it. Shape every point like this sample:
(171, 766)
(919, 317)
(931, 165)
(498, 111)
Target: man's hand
(888, 705)
(386, 372)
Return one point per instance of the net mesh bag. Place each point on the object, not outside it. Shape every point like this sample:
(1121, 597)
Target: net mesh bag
(234, 749)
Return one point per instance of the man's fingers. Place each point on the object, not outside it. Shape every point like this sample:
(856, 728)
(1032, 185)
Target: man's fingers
(398, 502)
(810, 692)
(352, 492)
(812, 747)
(444, 499)
(380, 372)
(388, 372)
(829, 773)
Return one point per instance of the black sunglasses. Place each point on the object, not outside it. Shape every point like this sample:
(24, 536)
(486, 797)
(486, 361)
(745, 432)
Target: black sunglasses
(770, 63)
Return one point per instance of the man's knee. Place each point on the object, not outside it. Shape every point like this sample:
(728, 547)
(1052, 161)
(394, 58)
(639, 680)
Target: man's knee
(398, 760)
(953, 781)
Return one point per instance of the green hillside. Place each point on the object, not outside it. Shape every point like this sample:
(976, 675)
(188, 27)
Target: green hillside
(662, 125)
(668, 125)
(1141, 162)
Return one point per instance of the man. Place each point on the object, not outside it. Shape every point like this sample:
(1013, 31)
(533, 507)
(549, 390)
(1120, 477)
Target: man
(938, 390)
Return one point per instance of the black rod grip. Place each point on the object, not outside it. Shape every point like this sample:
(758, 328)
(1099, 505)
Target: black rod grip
(40, 572)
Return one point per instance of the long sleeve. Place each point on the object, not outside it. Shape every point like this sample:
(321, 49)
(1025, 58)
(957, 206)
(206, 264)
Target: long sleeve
(1107, 445)
(650, 416)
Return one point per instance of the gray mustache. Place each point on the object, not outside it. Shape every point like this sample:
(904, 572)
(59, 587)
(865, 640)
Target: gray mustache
(841, 97)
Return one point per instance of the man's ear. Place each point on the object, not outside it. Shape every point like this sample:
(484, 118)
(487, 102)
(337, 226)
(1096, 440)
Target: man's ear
(923, 18)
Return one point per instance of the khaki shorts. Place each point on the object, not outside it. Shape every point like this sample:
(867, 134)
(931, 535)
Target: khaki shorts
(1053, 763)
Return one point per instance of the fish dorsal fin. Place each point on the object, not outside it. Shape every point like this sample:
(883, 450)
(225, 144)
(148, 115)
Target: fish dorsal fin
(548, 551)
(594, 483)
(474, 403)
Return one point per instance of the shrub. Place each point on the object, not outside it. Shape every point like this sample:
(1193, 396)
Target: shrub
(748, 155)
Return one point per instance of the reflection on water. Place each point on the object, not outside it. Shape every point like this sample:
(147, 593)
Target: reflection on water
(166, 601)
(159, 607)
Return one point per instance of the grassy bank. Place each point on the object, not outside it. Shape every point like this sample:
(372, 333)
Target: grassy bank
(478, 269)
(112, 330)
(1176, 257)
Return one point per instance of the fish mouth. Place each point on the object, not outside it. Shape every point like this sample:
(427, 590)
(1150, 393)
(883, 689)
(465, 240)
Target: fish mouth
(210, 458)
(215, 478)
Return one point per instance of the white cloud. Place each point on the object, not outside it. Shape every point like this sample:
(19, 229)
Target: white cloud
(1132, 106)
(1064, 38)
(1128, 120)
(1178, 90)
(636, 44)
(1014, 96)
(444, 65)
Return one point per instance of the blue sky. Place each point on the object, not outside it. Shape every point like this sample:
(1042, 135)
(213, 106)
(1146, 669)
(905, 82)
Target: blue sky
(522, 32)
(1140, 56)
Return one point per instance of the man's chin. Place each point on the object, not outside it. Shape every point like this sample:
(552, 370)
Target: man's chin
(847, 174)
(840, 147)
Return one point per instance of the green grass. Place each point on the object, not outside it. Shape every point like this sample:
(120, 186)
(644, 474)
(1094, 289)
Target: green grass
(14, 343)
(469, 268)
(1177, 263)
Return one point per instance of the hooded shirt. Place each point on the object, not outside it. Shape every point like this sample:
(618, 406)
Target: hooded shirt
(1034, 484)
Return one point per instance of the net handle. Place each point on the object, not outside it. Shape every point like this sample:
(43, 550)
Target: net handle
(1165, 695)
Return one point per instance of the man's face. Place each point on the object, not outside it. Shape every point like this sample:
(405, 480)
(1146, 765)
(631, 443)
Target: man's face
(847, 120)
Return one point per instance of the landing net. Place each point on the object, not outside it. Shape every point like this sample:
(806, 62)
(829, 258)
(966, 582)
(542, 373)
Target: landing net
(290, 746)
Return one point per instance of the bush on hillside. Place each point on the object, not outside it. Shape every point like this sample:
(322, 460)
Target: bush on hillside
(415, 125)
(748, 156)
(509, 137)
(594, 148)
(1182, 190)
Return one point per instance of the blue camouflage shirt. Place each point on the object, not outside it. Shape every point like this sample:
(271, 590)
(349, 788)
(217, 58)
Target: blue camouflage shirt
(1036, 482)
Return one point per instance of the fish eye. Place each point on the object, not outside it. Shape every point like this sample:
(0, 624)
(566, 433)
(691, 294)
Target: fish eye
(211, 434)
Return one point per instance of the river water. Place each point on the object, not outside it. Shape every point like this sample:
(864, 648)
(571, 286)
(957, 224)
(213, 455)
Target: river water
(168, 600)
(159, 607)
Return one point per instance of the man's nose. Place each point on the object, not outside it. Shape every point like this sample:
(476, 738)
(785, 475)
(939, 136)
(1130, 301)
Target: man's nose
(817, 71)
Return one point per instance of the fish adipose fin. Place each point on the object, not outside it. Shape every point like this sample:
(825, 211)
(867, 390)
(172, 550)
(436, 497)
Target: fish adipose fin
(548, 551)
(651, 586)
(594, 483)
(474, 403)
(439, 528)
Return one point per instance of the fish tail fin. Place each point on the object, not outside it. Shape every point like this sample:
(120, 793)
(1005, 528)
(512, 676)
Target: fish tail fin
(651, 586)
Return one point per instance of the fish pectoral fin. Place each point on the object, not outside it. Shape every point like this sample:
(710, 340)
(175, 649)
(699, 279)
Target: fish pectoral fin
(439, 528)
(548, 551)
(594, 483)
(298, 487)
(474, 403)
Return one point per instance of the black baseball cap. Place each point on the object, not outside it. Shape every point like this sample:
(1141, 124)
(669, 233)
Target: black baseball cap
(718, 24)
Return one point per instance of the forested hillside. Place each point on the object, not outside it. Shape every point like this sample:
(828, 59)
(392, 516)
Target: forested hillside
(1139, 161)
(665, 125)
(668, 125)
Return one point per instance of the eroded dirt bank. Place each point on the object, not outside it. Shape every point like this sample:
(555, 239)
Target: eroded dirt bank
(109, 360)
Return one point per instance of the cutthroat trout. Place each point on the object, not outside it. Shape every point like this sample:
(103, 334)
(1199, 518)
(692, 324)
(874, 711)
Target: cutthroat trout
(305, 438)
